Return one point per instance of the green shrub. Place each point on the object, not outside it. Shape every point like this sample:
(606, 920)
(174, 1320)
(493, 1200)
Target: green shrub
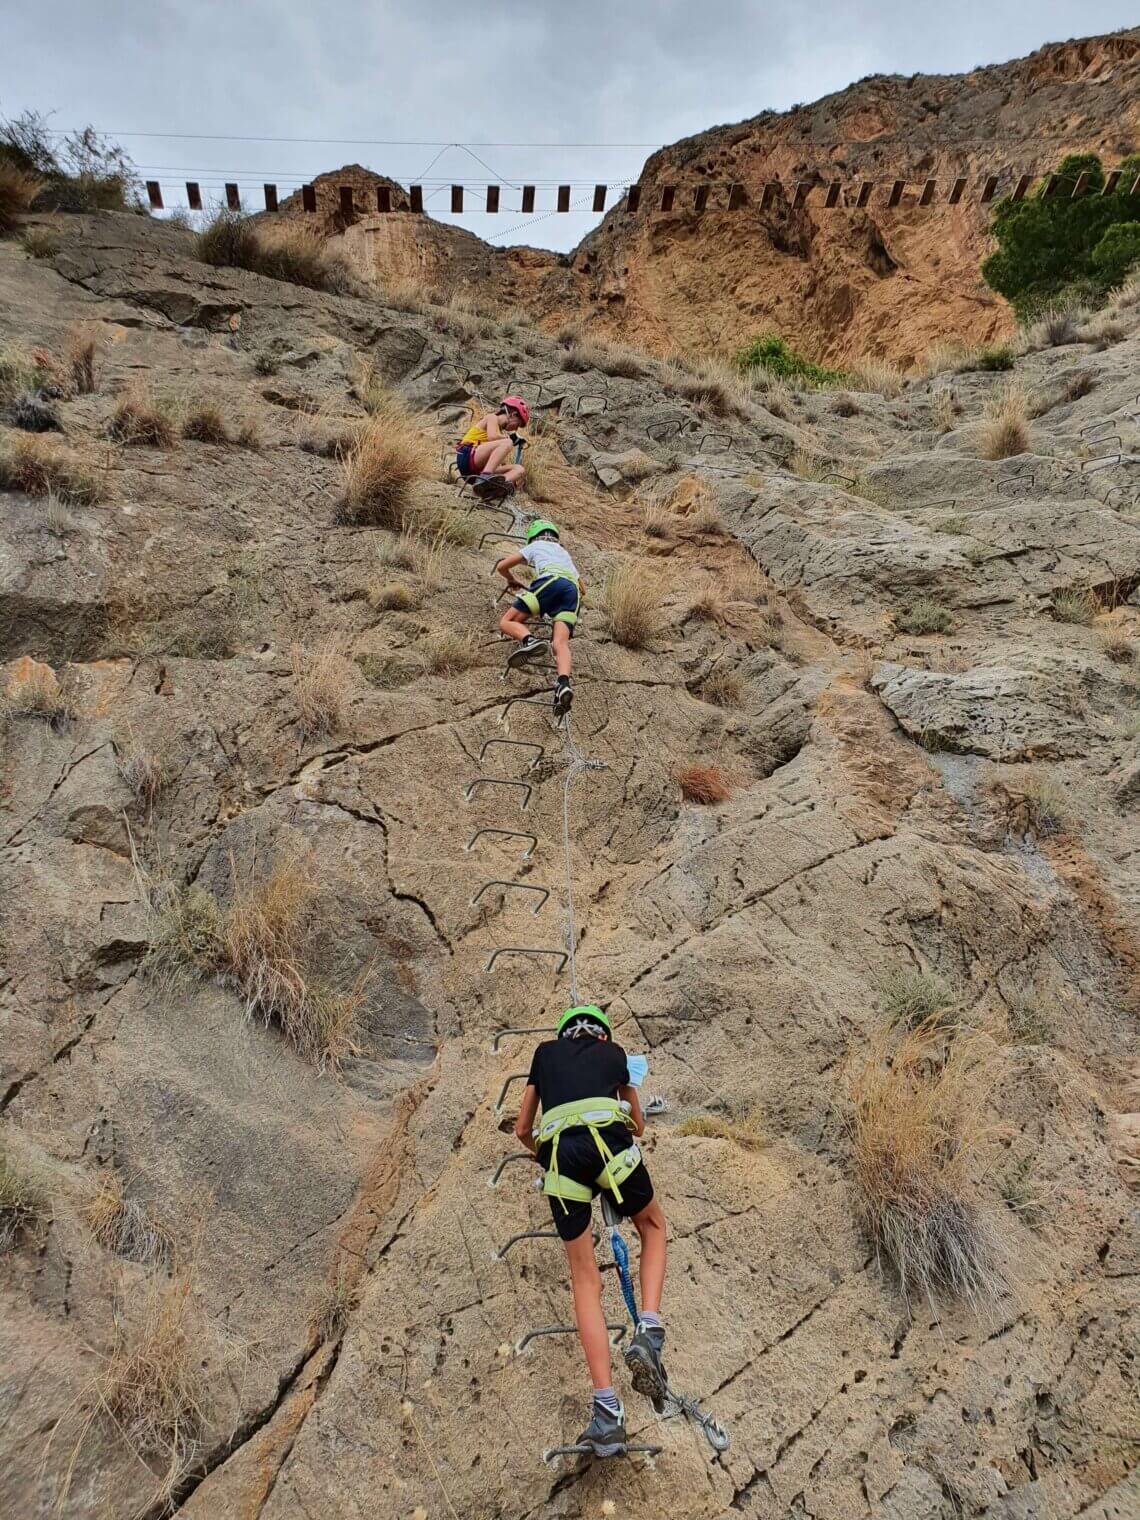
(1117, 251)
(924, 616)
(771, 354)
(1045, 245)
(999, 356)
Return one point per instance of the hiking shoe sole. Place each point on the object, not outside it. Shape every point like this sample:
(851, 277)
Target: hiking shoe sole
(521, 656)
(645, 1377)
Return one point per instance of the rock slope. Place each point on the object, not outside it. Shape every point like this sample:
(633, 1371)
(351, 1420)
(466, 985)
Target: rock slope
(958, 804)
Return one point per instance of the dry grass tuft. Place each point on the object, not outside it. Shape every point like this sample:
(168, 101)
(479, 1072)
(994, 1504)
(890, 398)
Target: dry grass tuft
(944, 409)
(140, 420)
(747, 1131)
(1103, 330)
(873, 373)
(1006, 430)
(152, 1386)
(18, 191)
(1078, 385)
(1118, 646)
(33, 690)
(843, 405)
(205, 423)
(723, 688)
(1054, 328)
(1045, 804)
(122, 1225)
(631, 598)
(1074, 604)
(283, 250)
(23, 1201)
(266, 948)
(42, 242)
(392, 596)
(80, 351)
(248, 434)
(143, 770)
(39, 467)
(322, 679)
(705, 785)
(380, 471)
(947, 356)
(913, 998)
(445, 653)
(914, 1128)
(806, 465)
(335, 1303)
(265, 364)
(924, 615)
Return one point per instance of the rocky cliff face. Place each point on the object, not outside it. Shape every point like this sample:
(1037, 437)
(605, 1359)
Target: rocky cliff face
(313, 1258)
(839, 284)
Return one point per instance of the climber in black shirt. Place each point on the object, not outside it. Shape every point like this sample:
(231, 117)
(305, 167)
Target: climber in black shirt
(583, 1140)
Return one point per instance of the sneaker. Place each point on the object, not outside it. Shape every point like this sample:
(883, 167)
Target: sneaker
(647, 1370)
(525, 649)
(605, 1434)
(563, 696)
(492, 487)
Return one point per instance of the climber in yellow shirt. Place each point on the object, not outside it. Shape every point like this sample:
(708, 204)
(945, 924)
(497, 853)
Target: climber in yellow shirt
(485, 452)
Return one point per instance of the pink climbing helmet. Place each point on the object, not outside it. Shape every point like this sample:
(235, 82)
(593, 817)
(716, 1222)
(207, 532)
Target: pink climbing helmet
(519, 406)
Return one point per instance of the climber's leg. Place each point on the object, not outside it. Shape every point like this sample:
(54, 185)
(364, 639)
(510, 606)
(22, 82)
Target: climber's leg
(560, 638)
(491, 458)
(650, 1225)
(586, 1286)
(514, 622)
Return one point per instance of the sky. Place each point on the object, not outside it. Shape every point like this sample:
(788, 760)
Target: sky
(441, 91)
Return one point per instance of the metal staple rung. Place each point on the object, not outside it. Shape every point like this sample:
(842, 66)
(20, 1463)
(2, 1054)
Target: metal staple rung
(510, 1160)
(528, 950)
(517, 538)
(515, 1076)
(517, 744)
(615, 1327)
(518, 886)
(501, 1034)
(507, 834)
(469, 789)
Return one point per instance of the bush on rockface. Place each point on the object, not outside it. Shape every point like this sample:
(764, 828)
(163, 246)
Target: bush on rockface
(771, 354)
(1057, 246)
(81, 172)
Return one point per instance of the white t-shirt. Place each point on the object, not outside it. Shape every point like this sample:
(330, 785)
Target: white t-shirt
(548, 558)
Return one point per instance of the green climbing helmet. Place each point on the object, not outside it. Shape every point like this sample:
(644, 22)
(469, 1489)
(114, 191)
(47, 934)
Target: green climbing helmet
(587, 1012)
(540, 525)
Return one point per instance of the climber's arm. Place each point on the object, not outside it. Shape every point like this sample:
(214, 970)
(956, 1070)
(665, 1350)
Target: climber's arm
(629, 1095)
(506, 567)
(528, 1109)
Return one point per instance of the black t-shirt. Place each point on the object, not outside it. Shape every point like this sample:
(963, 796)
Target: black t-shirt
(564, 1071)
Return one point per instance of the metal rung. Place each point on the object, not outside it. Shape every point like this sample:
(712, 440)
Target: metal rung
(846, 480)
(616, 1327)
(535, 699)
(639, 1448)
(528, 950)
(518, 886)
(510, 1161)
(495, 781)
(507, 834)
(1092, 466)
(516, 538)
(501, 1034)
(515, 1076)
(517, 744)
(943, 501)
(529, 1235)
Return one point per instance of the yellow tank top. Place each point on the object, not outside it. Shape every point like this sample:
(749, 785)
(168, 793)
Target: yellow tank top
(474, 434)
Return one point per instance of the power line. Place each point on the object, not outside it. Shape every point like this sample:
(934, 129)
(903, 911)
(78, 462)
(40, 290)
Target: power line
(348, 142)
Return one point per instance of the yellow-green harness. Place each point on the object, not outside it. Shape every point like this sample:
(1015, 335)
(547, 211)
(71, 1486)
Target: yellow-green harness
(594, 1114)
(529, 596)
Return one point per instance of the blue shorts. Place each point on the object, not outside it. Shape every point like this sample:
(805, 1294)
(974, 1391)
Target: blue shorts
(463, 460)
(551, 596)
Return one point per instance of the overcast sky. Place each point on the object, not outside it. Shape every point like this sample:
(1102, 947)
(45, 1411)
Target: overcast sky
(638, 73)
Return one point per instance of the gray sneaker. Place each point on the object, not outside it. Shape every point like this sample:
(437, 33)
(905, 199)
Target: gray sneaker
(647, 1370)
(605, 1434)
(525, 649)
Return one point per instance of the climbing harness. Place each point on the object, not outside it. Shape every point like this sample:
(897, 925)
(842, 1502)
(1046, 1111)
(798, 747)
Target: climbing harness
(594, 1115)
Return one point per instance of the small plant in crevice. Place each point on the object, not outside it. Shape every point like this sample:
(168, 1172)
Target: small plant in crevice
(446, 653)
(143, 770)
(392, 596)
(32, 415)
(1044, 805)
(745, 1129)
(321, 682)
(80, 353)
(40, 467)
(703, 784)
(23, 1200)
(140, 420)
(631, 599)
(1074, 604)
(1030, 1019)
(723, 688)
(335, 1302)
(42, 242)
(387, 672)
(924, 615)
(1020, 1190)
(33, 690)
(915, 1127)
(1005, 432)
(913, 998)
(1078, 385)
(388, 458)
(205, 423)
(944, 410)
(121, 1224)
(265, 364)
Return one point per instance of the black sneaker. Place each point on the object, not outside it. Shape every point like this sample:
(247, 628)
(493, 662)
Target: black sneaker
(492, 487)
(605, 1434)
(647, 1370)
(563, 696)
(526, 649)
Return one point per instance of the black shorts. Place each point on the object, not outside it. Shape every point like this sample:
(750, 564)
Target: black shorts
(551, 596)
(580, 1160)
